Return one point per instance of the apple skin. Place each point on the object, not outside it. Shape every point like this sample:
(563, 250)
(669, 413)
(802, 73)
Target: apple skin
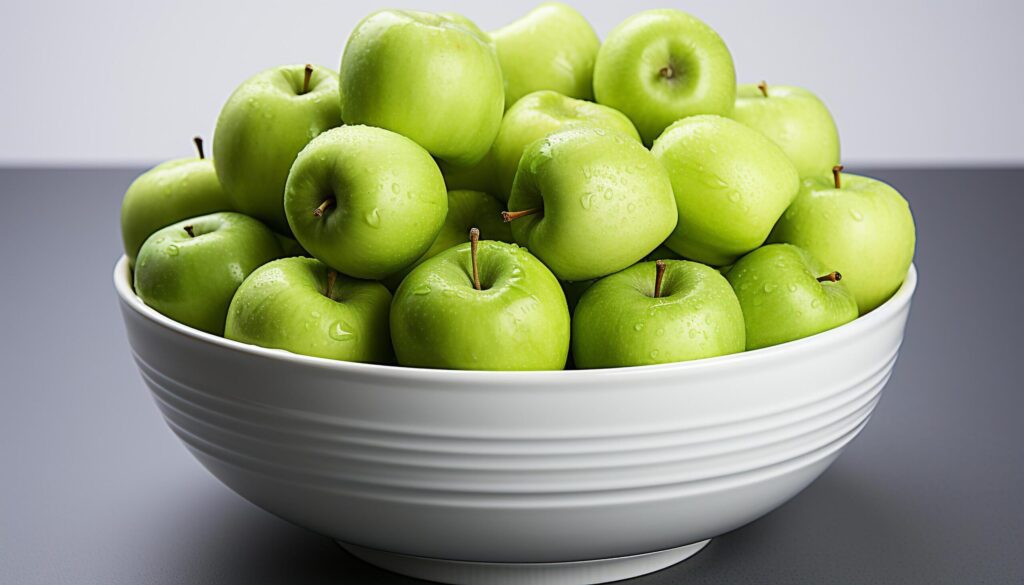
(796, 120)
(552, 47)
(618, 321)
(479, 177)
(262, 127)
(192, 279)
(389, 200)
(518, 321)
(662, 65)
(605, 200)
(426, 76)
(731, 184)
(540, 113)
(466, 210)
(283, 305)
(167, 193)
(864, 230)
(782, 300)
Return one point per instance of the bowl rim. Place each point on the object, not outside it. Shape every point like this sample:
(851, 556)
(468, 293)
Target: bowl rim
(884, 313)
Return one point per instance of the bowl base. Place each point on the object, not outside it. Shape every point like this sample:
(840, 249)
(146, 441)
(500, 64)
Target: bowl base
(571, 573)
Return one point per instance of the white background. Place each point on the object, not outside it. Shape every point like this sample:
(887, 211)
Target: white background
(112, 82)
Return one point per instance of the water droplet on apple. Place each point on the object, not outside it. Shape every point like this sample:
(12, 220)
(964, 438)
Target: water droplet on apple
(769, 287)
(339, 331)
(631, 207)
(638, 327)
(422, 289)
(172, 250)
(815, 304)
(660, 331)
(586, 200)
(734, 196)
(856, 215)
(608, 193)
(654, 354)
(792, 288)
(373, 217)
(395, 188)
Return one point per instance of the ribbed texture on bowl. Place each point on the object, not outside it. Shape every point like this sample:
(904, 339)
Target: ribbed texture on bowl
(517, 467)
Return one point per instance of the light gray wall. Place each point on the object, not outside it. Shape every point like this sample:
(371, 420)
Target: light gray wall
(122, 81)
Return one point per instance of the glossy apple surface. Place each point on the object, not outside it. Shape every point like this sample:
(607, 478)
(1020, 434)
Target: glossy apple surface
(796, 120)
(426, 76)
(552, 47)
(787, 294)
(518, 320)
(864, 230)
(731, 184)
(602, 202)
(261, 129)
(620, 322)
(662, 65)
(365, 201)
(466, 210)
(190, 270)
(297, 305)
(167, 193)
(540, 113)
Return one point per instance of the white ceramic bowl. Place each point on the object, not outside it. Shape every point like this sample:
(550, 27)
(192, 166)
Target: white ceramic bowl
(510, 477)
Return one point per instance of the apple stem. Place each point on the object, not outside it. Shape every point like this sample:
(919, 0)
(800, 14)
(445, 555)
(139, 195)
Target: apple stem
(831, 277)
(190, 231)
(319, 211)
(836, 171)
(508, 216)
(198, 141)
(659, 266)
(306, 77)
(331, 277)
(474, 242)
(763, 86)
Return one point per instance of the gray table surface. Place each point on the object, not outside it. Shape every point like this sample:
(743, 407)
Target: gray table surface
(95, 489)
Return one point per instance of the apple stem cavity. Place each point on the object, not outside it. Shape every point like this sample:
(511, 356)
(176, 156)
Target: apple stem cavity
(667, 72)
(831, 277)
(198, 141)
(474, 243)
(319, 211)
(190, 231)
(332, 276)
(763, 86)
(659, 266)
(836, 172)
(305, 79)
(508, 216)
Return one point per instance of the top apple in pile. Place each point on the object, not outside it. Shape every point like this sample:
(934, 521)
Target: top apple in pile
(625, 203)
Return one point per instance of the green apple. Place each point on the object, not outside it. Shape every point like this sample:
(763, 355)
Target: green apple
(479, 177)
(263, 126)
(169, 192)
(301, 305)
(426, 76)
(540, 113)
(190, 270)
(796, 120)
(589, 202)
(495, 307)
(731, 184)
(856, 225)
(365, 201)
(662, 65)
(654, 313)
(466, 210)
(552, 47)
(787, 294)
(289, 247)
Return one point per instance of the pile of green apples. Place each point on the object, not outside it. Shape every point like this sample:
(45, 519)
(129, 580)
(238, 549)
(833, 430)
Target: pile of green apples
(525, 199)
